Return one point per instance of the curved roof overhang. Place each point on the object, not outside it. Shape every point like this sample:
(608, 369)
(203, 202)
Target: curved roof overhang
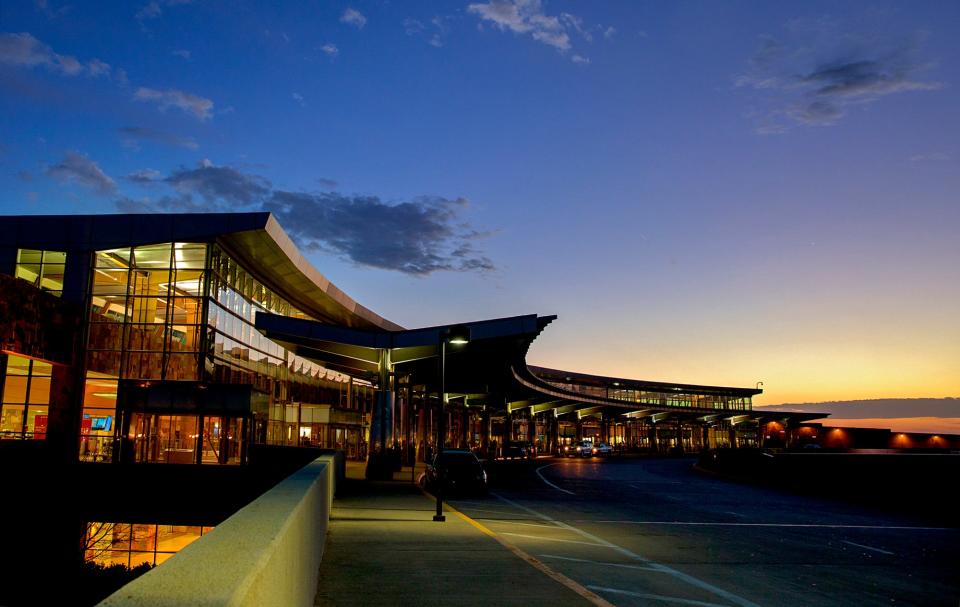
(479, 367)
(256, 240)
(271, 255)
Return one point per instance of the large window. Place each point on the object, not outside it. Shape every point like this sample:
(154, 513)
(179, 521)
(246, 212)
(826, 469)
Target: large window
(99, 417)
(146, 312)
(25, 398)
(43, 269)
(134, 544)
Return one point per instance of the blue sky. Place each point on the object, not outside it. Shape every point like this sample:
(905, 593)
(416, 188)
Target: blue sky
(703, 192)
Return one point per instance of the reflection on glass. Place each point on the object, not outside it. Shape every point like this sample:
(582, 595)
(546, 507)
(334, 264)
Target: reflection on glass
(131, 545)
(25, 396)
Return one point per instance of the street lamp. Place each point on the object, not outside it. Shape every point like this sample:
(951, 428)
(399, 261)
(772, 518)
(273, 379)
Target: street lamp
(457, 335)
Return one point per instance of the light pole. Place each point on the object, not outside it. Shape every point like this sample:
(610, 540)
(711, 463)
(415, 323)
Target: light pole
(458, 335)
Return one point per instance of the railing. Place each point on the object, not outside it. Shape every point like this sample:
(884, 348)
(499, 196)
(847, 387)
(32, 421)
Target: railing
(267, 553)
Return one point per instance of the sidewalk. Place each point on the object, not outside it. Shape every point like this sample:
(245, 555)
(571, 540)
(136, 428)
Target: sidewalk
(383, 548)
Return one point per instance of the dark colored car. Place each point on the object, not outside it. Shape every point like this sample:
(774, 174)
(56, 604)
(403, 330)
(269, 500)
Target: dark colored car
(518, 450)
(458, 470)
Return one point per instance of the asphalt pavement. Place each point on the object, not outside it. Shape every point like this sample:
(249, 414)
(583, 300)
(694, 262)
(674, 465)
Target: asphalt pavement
(639, 531)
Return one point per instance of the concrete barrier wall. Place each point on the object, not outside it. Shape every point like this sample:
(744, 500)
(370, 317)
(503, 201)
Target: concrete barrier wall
(268, 553)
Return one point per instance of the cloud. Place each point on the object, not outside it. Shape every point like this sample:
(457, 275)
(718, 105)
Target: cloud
(23, 50)
(132, 135)
(817, 112)
(200, 107)
(44, 7)
(299, 99)
(154, 9)
(330, 184)
(576, 23)
(418, 236)
(528, 18)
(818, 74)
(182, 53)
(330, 49)
(151, 10)
(144, 176)
(353, 17)
(931, 157)
(222, 186)
(609, 33)
(435, 35)
(78, 168)
(525, 17)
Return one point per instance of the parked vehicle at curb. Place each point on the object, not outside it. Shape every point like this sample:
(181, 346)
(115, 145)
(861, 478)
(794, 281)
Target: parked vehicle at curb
(518, 450)
(458, 471)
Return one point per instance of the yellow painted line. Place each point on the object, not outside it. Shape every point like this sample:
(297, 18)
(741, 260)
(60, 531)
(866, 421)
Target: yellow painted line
(531, 560)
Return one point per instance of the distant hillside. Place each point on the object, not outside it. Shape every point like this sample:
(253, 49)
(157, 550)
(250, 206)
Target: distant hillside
(883, 408)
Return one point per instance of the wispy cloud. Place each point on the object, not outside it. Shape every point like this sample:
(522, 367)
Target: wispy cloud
(77, 168)
(182, 53)
(199, 107)
(817, 74)
(931, 157)
(44, 7)
(330, 49)
(435, 33)
(25, 51)
(579, 59)
(528, 17)
(154, 9)
(353, 17)
(133, 135)
(144, 176)
(299, 99)
(417, 236)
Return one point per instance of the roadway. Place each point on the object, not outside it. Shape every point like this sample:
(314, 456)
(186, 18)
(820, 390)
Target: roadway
(656, 532)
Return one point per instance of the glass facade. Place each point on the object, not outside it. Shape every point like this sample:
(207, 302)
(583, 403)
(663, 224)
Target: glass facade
(309, 404)
(25, 398)
(673, 398)
(42, 269)
(184, 312)
(134, 544)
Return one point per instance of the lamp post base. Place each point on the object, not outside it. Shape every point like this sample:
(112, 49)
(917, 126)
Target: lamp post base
(439, 518)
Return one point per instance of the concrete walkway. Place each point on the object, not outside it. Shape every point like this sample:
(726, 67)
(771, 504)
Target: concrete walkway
(383, 548)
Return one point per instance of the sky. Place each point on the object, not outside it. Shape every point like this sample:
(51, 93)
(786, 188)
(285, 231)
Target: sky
(703, 192)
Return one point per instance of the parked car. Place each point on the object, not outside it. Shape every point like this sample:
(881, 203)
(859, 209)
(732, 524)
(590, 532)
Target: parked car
(458, 470)
(601, 449)
(579, 449)
(518, 450)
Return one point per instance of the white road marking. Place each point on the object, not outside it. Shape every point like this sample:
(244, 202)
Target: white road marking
(868, 548)
(655, 597)
(620, 565)
(693, 581)
(549, 483)
(805, 525)
(550, 539)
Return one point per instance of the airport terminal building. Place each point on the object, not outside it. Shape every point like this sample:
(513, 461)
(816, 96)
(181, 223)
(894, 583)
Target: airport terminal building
(158, 372)
(189, 338)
